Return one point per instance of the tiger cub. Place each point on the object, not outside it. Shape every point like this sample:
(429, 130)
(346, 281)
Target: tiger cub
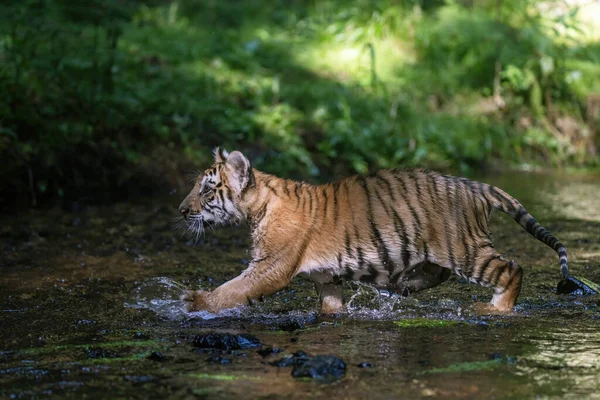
(404, 230)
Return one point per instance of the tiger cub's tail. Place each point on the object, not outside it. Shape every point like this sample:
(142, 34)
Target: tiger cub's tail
(504, 202)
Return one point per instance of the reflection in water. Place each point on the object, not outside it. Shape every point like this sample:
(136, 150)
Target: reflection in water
(566, 357)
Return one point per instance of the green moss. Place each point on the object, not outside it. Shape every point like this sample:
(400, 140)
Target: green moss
(425, 323)
(223, 377)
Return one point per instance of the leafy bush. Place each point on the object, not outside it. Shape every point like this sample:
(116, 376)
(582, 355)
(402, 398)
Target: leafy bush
(95, 93)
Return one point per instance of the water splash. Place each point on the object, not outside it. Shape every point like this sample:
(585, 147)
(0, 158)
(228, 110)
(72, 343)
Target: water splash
(161, 295)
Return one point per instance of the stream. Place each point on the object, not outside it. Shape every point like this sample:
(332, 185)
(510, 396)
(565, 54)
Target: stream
(89, 307)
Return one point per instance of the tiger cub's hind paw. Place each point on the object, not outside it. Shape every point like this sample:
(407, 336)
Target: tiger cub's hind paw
(489, 309)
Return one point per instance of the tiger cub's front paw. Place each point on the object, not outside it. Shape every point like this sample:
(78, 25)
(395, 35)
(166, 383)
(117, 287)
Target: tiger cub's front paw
(197, 300)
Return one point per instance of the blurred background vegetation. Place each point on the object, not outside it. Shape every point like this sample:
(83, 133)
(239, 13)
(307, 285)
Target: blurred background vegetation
(108, 99)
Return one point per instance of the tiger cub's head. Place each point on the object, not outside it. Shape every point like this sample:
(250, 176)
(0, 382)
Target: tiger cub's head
(214, 199)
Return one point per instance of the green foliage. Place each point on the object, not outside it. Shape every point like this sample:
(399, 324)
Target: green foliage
(306, 88)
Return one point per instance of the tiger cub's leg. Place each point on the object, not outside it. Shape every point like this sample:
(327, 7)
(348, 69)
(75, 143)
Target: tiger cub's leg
(422, 276)
(330, 296)
(503, 275)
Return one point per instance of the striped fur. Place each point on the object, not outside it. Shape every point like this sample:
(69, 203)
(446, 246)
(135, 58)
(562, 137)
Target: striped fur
(404, 230)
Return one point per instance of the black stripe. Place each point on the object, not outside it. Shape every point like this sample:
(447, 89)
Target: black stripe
(387, 208)
(412, 210)
(335, 203)
(480, 224)
(376, 238)
(482, 270)
(310, 201)
(326, 201)
(530, 225)
(520, 213)
(499, 198)
(470, 206)
(348, 248)
(400, 229)
(498, 274)
(360, 257)
(388, 185)
(272, 189)
(259, 215)
(416, 221)
(447, 228)
(296, 193)
(434, 181)
(286, 190)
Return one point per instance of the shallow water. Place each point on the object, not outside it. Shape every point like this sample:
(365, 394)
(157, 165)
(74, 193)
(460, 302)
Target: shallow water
(87, 297)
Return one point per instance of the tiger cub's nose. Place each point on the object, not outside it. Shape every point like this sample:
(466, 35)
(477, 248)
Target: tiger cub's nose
(185, 211)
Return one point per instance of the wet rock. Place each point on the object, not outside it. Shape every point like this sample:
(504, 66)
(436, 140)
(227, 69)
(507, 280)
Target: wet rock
(219, 360)
(156, 356)
(365, 365)
(225, 341)
(291, 326)
(296, 359)
(267, 351)
(321, 368)
(101, 353)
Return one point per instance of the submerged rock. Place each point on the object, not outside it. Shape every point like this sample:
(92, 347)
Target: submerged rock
(226, 341)
(156, 356)
(321, 368)
(267, 351)
(295, 359)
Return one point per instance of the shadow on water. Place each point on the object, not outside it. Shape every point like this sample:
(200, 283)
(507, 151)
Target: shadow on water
(89, 306)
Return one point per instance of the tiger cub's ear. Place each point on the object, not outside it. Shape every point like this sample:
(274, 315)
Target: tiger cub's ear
(220, 154)
(238, 170)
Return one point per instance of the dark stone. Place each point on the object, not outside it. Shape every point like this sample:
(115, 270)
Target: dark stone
(267, 351)
(156, 356)
(225, 341)
(291, 326)
(101, 353)
(321, 368)
(296, 359)
(365, 365)
(294, 339)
